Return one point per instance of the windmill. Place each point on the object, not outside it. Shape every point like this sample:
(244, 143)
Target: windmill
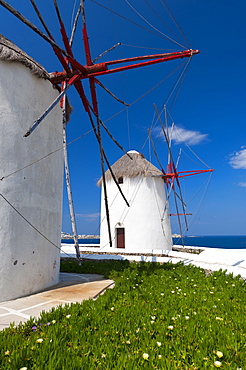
(171, 175)
(74, 73)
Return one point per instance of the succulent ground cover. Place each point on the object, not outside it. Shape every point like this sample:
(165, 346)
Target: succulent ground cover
(158, 316)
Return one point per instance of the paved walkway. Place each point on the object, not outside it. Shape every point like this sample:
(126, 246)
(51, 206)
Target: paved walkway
(72, 288)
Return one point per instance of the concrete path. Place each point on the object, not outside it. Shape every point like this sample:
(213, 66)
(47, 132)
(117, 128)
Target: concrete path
(232, 260)
(72, 288)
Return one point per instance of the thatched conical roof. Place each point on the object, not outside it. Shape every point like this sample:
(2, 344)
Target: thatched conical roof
(127, 167)
(11, 52)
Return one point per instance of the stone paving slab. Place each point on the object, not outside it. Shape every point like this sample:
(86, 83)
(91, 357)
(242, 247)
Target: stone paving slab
(72, 288)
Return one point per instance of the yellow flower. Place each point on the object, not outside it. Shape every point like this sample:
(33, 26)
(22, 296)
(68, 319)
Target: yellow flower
(219, 354)
(7, 353)
(145, 356)
(217, 363)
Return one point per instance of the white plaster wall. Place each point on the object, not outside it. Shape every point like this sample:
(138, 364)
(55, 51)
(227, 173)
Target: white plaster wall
(29, 262)
(146, 221)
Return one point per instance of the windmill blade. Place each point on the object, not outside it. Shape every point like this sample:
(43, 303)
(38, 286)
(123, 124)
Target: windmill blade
(31, 25)
(106, 51)
(98, 136)
(154, 150)
(171, 165)
(95, 109)
(52, 105)
(108, 132)
(115, 180)
(179, 220)
(183, 207)
(57, 52)
(110, 93)
(68, 182)
(75, 26)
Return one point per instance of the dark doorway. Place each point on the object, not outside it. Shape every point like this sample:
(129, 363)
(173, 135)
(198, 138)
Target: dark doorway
(120, 235)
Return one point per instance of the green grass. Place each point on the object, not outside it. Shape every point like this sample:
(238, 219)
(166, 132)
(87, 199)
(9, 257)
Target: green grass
(157, 317)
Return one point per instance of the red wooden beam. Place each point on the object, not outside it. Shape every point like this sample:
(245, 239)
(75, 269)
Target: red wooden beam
(99, 69)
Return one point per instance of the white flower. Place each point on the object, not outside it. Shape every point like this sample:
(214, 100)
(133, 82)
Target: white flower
(53, 321)
(187, 317)
(172, 291)
(23, 368)
(170, 327)
(40, 340)
(152, 321)
(158, 344)
(162, 293)
(128, 342)
(159, 356)
(103, 355)
(217, 363)
(112, 308)
(137, 330)
(219, 354)
(68, 316)
(153, 317)
(145, 356)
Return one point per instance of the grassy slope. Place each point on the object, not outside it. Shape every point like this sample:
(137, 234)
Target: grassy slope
(157, 317)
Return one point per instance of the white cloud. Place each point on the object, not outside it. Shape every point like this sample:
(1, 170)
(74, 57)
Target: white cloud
(238, 159)
(180, 135)
(242, 184)
(89, 216)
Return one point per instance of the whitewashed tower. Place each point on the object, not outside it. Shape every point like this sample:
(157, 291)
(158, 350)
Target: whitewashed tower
(29, 262)
(145, 224)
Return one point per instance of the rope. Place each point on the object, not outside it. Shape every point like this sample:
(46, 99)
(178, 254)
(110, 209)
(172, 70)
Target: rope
(29, 223)
(145, 94)
(145, 20)
(192, 151)
(147, 47)
(162, 19)
(174, 20)
(121, 16)
(201, 203)
(47, 155)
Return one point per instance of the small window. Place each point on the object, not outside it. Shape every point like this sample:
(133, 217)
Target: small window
(120, 180)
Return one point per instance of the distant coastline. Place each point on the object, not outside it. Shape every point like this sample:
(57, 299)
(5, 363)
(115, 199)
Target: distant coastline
(68, 236)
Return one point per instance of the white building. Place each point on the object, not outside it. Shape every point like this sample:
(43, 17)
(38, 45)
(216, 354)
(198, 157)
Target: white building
(30, 196)
(145, 225)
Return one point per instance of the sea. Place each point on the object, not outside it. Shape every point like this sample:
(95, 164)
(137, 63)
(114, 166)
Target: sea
(215, 241)
(218, 241)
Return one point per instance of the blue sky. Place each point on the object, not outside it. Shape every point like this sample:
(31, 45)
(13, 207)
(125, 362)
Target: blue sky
(209, 111)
